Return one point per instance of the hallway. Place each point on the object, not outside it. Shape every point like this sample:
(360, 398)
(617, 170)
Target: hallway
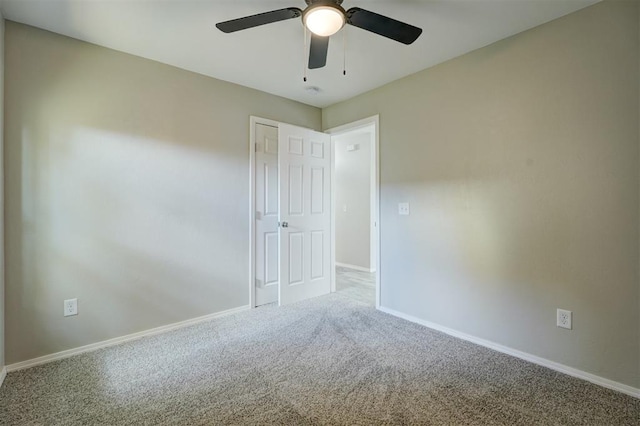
(357, 285)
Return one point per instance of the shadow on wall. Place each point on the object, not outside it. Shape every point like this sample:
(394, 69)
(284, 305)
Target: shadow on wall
(523, 193)
(126, 188)
(511, 214)
(484, 248)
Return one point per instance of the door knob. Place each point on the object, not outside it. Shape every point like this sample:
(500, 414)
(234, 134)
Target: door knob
(284, 224)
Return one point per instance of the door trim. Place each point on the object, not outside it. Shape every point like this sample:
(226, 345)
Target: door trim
(252, 202)
(335, 131)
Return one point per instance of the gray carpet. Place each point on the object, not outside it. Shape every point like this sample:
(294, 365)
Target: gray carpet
(326, 361)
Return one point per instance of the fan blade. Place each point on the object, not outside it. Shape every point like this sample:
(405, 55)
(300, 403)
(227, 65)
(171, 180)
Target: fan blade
(318, 51)
(259, 19)
(383, 25)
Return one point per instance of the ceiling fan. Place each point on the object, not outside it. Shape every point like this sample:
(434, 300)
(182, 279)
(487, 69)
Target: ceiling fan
(325, 18)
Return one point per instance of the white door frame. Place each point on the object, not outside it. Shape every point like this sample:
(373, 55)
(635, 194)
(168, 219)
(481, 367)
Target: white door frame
(252, 203)
(336, 131)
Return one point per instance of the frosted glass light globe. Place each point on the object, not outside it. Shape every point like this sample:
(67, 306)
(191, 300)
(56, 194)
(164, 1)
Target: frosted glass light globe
(324, 20)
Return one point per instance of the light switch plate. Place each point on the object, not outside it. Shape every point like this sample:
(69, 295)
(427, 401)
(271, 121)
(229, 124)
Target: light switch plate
(403, 209)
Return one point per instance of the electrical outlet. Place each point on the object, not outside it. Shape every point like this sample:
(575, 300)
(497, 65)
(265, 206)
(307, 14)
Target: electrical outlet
(70, 307)
(563, 318)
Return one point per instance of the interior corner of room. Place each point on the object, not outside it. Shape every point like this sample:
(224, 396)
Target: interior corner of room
(475, 197)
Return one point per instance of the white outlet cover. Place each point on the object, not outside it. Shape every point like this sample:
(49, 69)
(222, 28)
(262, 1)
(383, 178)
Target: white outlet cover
(403, 209)
(70, 307)
(564, 319)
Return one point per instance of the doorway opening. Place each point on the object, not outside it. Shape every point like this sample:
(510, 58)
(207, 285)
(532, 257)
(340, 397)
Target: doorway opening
(355, 221)
(314, 203)
(290, 223)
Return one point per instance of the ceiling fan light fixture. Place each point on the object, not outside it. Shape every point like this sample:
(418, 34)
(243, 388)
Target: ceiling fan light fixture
(324, 20)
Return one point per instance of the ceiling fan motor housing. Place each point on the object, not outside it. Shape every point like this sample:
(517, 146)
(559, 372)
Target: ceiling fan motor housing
(310, 2)
(314, 4)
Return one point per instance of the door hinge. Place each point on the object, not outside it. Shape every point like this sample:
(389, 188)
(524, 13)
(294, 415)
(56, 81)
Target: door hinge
(258, 283)
(257, 145)
(258, 216)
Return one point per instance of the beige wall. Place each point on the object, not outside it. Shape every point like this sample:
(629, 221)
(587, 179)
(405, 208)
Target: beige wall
(127, 186)
(1, 192)
(520, 161)
(353, 191)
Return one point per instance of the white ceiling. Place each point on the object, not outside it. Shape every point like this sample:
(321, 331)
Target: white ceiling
(270, 57)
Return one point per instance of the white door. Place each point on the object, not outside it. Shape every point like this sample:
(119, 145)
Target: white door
(305, 166)
(266, 219)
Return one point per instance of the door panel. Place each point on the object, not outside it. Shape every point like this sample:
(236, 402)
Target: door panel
(270, 187)
(271, 263)
(267, 243)
(304, 205)
(317, 190)
(296, 258)
(317, 255)
(296, 195)
(296, 145)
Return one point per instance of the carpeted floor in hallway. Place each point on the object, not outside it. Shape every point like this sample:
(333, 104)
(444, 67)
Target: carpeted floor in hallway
(326, 361)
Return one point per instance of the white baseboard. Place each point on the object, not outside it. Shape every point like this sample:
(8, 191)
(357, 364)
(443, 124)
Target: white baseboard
(118, 340)
(3, 374)
(356, 267)
(607, 383)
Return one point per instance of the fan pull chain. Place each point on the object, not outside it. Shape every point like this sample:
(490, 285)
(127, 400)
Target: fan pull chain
(344, 51)
(304, 54)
